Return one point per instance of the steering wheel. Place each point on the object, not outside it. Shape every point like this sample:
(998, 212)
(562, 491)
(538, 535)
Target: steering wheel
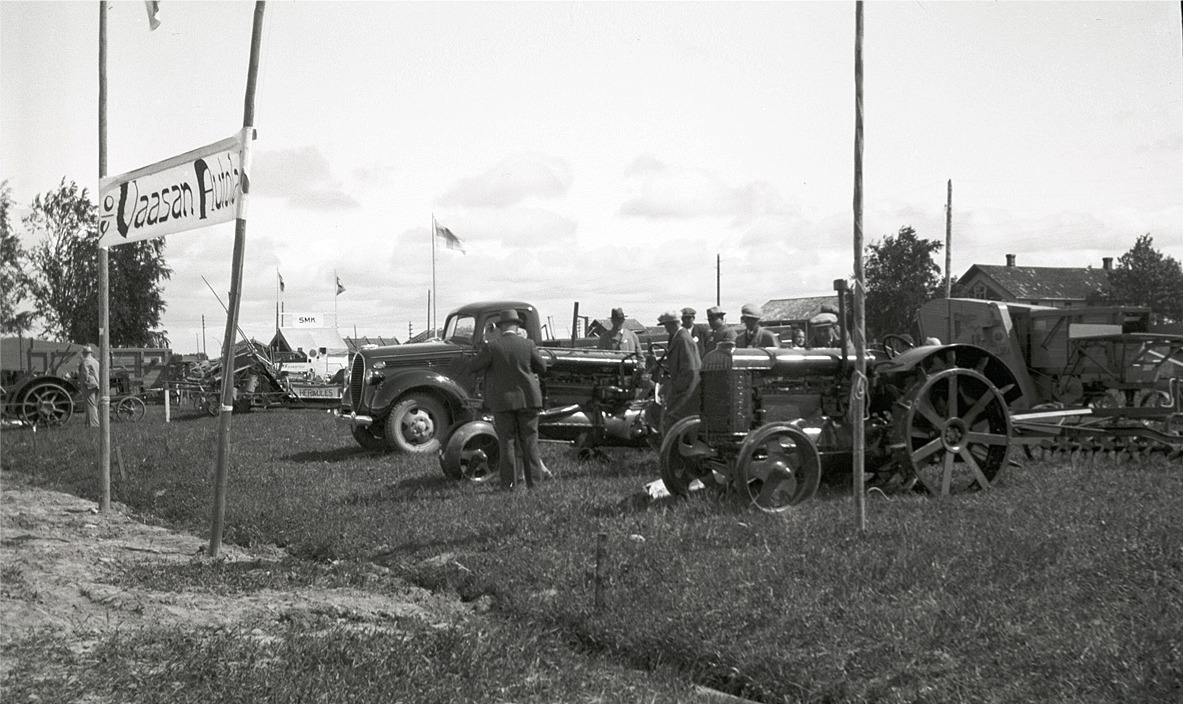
(894, 344)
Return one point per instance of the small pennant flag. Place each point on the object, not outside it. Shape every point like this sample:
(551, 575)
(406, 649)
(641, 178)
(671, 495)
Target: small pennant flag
(153, 10)
(281, 286)
(340, 288)
(451, 241)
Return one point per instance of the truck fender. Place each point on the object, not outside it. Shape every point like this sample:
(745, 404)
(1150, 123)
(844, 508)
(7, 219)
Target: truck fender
(32, 381)
(397, 385)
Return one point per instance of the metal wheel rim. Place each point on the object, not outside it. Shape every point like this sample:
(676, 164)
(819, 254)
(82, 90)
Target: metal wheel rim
(956, 432)
(678, 468)
(779, 468)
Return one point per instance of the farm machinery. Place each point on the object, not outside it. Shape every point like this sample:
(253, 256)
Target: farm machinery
(258, 384)
(940, 418)
(1094, 380)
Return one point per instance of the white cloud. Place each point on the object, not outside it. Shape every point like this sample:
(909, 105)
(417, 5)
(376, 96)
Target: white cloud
(663, 191)
(511, 181)
(301, 176)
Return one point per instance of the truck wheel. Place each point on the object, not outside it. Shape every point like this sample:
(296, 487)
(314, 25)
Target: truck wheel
(414, 424)
(368, 440)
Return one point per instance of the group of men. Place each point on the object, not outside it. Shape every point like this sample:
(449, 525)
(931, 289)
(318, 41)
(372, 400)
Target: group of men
(512, 364)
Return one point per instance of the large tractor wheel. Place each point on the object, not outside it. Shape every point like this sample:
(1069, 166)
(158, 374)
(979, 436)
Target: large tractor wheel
(682, 455)
(471, 451)
(779, 466)
(46, 403)
(366, 438)
(414, 424)
(952, 431)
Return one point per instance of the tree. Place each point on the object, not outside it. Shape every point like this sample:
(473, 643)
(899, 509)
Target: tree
(64, 277)
(901, 277)
(13, 285)
(1145, 277)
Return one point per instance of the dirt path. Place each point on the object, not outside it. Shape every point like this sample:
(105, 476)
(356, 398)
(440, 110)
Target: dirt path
(57, 549)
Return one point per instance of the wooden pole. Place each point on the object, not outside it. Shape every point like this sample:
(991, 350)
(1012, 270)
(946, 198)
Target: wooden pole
(574, 323)
(248, 119)
(601, 561)
(104, 289)
(949, 242)
(948, 265)
(858, 397)
(431, 319)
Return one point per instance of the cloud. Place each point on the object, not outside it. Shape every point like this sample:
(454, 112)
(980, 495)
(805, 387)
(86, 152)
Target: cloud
(664, 191)
(511, 181)
(303, 177)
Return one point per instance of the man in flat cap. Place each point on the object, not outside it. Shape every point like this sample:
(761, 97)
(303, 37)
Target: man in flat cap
(88, 381)
(719, 331)
(682, 362)
(698, 331)
(618, 338)
(511, 364)
(753, 335)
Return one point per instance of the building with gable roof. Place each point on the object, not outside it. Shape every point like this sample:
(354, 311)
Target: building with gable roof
(1057, 287)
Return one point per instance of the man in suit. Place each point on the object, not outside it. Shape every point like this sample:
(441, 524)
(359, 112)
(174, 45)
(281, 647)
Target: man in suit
(682, 362)
(719, 330)
(618, 338)
(698, 331)
(753, 335)
(511, 364)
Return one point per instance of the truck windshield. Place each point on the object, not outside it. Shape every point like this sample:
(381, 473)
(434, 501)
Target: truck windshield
(459, 329)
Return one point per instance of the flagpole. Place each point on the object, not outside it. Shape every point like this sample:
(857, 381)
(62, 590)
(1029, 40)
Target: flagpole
(433, 295)
(104, 289)
(248, 119)
(277, 301)
(336, 293)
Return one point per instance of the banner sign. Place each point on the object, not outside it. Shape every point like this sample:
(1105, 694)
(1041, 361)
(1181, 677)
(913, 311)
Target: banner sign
(199, 188)
(306, 320)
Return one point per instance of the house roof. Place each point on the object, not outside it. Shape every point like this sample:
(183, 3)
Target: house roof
(1043, 283)
(785, 310)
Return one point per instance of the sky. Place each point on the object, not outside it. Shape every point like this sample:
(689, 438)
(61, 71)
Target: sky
(643, 155)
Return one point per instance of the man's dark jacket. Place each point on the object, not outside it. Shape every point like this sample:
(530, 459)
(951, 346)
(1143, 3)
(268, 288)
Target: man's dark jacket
(510, 363)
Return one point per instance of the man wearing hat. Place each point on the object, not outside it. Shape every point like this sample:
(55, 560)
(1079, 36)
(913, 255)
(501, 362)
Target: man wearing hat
(682, 362)
(511, 364)
(88, 380)
(698, 332)
(719, 331)
(753, 335)
(824, 327)
(618, 338)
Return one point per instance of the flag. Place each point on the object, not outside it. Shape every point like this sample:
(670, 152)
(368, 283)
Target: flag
(451, 241)
(340, 288)
(281, 286)
(153, 10)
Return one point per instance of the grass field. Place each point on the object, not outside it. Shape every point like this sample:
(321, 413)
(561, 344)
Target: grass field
(1063, 583)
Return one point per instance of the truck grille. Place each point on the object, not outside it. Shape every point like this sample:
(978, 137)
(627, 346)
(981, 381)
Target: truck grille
(357, 377)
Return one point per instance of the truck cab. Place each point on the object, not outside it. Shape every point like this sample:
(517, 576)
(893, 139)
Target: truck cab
(402, 397)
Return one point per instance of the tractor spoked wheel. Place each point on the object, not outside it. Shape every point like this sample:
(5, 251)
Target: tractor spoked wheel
(952, 431)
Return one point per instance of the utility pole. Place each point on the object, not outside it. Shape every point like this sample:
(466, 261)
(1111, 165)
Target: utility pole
(949, 242)
(949, 264)
(203, 335)
(858, 400)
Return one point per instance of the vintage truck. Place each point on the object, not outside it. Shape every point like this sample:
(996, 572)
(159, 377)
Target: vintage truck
(421, 398)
